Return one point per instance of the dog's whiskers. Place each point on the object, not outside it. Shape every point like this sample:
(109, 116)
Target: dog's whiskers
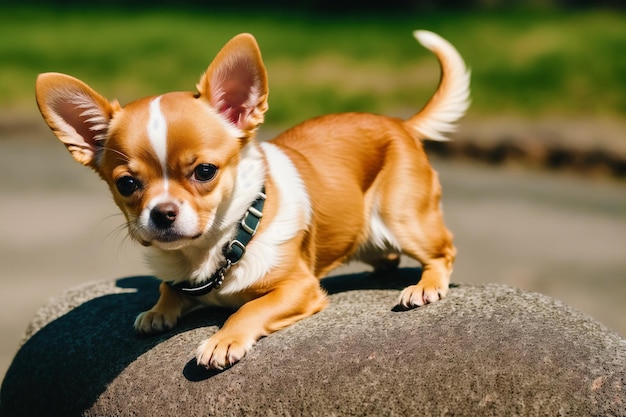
(119, 230)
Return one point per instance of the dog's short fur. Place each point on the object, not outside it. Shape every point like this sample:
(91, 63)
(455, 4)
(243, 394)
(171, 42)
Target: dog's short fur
(185, 167)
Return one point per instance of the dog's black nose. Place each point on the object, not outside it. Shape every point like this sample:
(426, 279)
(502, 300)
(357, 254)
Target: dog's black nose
(164, 214)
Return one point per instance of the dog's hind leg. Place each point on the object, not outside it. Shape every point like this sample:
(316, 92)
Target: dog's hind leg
(418, 227)
(433, 248)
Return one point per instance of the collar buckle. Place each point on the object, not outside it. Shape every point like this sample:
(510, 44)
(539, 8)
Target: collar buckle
(252, 226)
(235, 251)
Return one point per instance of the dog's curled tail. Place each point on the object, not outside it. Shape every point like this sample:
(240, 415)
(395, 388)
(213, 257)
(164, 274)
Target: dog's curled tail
(451, 99)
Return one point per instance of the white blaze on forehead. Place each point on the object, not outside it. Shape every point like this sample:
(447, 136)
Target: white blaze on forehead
(157, 133)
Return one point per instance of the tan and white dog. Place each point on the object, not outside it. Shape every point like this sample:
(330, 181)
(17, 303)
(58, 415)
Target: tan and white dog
(229, 221)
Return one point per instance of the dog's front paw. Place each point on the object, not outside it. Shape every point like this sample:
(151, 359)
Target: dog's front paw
(222, 351)
(151, 321)
(421, 294)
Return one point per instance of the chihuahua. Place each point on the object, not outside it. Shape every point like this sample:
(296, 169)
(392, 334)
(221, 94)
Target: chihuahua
(230, 221)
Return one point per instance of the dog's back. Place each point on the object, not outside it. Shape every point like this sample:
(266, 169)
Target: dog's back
(363, 163)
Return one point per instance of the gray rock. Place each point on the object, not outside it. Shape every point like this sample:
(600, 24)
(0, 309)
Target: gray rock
(484, 350)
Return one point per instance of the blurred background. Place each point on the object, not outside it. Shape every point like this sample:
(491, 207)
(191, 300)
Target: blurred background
(534, 179)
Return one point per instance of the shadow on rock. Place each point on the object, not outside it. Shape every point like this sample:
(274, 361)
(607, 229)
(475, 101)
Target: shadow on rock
(85, 349)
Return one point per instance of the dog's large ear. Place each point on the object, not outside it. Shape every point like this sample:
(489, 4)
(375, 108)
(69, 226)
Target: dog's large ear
(235, 84)
(77, 115)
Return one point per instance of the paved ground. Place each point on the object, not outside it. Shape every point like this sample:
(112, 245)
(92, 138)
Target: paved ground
(561, 235)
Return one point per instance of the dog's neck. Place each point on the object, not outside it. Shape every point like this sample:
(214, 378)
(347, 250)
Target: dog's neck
(233, 251)
(198, 262)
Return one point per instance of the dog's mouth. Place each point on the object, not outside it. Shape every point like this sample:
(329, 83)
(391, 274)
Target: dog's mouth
(169, 239)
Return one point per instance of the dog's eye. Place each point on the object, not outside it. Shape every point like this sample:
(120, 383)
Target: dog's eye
(204, 172)
(127, 185)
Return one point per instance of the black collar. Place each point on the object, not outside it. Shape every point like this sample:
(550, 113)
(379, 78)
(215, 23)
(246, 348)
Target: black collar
(233, 251)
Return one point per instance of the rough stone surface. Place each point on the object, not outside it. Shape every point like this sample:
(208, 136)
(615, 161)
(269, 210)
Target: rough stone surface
(484, 350)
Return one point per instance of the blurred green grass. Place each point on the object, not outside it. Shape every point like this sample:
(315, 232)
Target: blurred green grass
(528, 63)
